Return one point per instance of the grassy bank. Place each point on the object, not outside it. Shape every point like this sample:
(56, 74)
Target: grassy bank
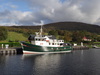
(11, 44)
(13, 39)
(13, 36)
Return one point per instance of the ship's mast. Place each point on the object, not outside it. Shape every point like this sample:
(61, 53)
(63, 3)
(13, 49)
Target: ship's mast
(41, 30)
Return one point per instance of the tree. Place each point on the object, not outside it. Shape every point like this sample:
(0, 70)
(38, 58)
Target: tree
(53, 32)
(67, 36)
(77, 36)
(61, 32)
(3, 33)
(98, 38)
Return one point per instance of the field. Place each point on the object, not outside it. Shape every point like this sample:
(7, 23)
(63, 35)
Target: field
(13, 39)
(13, 36)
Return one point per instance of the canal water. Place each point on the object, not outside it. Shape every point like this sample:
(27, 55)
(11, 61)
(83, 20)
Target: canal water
(80, 62)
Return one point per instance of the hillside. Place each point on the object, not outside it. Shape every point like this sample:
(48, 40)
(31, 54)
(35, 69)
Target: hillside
(71, 26)
(13, 36)
(69, 31)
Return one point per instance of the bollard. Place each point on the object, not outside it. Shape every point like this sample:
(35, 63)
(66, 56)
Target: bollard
(7, 46)
(2, 46)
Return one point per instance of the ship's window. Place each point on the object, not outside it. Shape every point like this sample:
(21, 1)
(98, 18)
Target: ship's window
(36, 39)
(39, 39)
(49, 43)
(52, 43)
(61, 44)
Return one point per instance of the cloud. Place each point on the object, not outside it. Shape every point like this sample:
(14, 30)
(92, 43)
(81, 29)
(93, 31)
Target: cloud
(9, 6)
(41, 23)
(91, 10)
(15, 17)
(69, 10)
(48, 11)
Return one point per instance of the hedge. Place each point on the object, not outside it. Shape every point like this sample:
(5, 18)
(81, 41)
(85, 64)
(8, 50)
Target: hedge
(11, 44)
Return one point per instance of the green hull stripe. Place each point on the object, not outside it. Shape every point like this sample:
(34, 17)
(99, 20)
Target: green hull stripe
(35, 48)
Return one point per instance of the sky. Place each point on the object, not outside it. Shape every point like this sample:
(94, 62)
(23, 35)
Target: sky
(37, 12)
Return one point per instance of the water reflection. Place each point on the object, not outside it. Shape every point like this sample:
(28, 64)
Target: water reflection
(76, 63)
(45, 64)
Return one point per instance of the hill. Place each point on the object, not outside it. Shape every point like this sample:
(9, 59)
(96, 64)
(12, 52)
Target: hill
(71, 26)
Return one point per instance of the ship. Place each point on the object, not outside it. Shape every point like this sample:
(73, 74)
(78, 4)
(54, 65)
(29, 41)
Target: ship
(42, 44)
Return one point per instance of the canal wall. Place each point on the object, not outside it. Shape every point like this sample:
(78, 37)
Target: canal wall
(80, 48)
(4, 51)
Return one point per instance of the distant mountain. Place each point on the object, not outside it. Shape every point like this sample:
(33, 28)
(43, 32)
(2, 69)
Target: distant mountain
(71, 26)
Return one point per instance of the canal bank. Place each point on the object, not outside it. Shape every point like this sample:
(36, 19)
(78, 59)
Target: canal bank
(80, 48)
(4, 51)
(19, 50)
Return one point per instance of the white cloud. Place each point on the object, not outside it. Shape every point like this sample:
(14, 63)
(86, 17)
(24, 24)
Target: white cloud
(41, 23)
(8, 6)
(15, 17)
(70, 10)
(54, 11)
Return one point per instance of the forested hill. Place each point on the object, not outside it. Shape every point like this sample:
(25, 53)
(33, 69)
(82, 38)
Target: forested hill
(71, 26)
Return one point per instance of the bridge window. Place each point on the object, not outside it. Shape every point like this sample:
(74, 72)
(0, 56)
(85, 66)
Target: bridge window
(49, 43)
(42, 39)
(52, 43)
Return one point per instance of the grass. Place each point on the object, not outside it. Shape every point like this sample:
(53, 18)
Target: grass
(13, 36)
(11, 44)
(96, 42)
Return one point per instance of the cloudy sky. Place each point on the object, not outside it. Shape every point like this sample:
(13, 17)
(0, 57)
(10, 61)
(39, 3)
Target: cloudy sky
(36, 12)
